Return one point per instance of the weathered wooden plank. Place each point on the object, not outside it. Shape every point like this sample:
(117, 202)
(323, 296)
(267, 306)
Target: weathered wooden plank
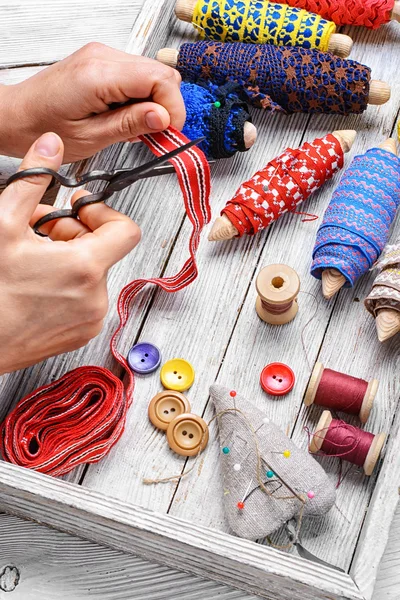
(42, 32)
(167, 540)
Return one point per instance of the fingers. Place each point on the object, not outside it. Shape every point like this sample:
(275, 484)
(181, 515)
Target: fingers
(141, 78)
(113, 235)
(61, 229)
(20, 199)
(125, 124)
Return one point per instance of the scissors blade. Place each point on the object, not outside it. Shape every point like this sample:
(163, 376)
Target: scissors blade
(122, 180)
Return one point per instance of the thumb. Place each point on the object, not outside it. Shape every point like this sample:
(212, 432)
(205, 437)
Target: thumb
(20, 198)
(128, 122)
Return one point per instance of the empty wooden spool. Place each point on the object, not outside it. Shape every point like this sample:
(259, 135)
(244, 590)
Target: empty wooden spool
(277, 288)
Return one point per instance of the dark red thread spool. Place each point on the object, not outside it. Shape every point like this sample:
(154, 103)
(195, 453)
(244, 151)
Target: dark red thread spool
(341, 392)
(342, 440)
(277, 288)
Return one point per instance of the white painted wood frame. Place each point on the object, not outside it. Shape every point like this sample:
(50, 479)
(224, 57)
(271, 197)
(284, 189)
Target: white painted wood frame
(183, 544)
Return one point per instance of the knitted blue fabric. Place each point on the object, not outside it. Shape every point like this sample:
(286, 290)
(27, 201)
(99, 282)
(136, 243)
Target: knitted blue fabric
(218, 114)
(280, 78)
(357, 221)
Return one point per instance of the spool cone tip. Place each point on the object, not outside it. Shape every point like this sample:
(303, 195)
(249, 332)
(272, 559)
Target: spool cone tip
(332, 281)
(387, 324)
(222, 230)
(346, 138)
(389, 145)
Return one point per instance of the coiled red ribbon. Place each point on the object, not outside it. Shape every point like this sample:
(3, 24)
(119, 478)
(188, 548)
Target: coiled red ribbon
(369, 13)
(283, 184)
(78, 418)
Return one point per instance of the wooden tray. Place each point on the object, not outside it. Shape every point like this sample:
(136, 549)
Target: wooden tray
(214, 325)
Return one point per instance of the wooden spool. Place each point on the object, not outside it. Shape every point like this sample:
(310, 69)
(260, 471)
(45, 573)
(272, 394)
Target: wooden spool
(169, 56)
(339, 43)
(223, 228)
(368, 400)
(332, 279)
(319, 436)
(277, 285)
(379, 91)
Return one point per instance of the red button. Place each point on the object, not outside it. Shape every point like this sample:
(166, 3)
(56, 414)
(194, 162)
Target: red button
(277, 379)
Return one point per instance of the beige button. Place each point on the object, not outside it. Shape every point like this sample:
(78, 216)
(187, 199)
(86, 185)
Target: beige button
(165, 406)
(187, 434)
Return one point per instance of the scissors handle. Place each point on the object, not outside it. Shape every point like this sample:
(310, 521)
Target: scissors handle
(117, 181)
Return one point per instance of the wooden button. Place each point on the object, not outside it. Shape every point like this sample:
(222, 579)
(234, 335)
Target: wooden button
(165, 406)
(187, 434)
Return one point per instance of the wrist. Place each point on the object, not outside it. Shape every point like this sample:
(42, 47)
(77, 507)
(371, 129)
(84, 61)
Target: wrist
(11, 123)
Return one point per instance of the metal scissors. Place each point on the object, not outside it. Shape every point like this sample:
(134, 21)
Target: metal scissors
(117, 180)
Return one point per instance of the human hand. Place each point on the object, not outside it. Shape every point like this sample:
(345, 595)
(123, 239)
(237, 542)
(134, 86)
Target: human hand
(53, 295)
(72, 98)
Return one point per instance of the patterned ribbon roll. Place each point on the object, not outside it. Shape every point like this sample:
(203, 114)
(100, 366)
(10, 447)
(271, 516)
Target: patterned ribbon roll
(369, 13)
(283, 184)
(78, 418)
(277, 78)
(357, 221)
(385, 292)
(218, 114)
(256, 22)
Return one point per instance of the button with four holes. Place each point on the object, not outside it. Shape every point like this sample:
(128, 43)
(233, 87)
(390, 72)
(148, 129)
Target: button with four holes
(144, 358)
(187, 434)
(277, 379)
(166, 406)
(177, 374)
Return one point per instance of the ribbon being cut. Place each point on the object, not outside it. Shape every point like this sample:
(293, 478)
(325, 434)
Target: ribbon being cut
(357, 221)
(78, 418)
(265, 22)
(219, 115)
(283, 79)
(367, 13)
(383, 301)
(282, 185)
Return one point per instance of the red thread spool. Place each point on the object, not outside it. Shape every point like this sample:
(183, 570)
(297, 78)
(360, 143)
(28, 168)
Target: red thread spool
(337, 438)
(277, 288)
(341, 392)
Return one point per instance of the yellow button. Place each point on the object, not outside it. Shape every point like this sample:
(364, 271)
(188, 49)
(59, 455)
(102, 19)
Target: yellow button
(165, 406)
(187, 434)
(177, 374)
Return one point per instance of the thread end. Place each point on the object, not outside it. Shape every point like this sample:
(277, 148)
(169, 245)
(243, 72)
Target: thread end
(222, 230)
(379, 92)
(320, 432)
(332, 282)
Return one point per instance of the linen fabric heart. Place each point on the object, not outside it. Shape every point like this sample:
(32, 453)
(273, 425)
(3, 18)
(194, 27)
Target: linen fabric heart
(295, 480)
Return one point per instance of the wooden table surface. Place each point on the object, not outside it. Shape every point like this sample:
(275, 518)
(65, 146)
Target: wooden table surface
(54, 565)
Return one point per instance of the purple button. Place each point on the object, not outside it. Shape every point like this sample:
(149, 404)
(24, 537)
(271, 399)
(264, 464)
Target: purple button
(144, 358)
